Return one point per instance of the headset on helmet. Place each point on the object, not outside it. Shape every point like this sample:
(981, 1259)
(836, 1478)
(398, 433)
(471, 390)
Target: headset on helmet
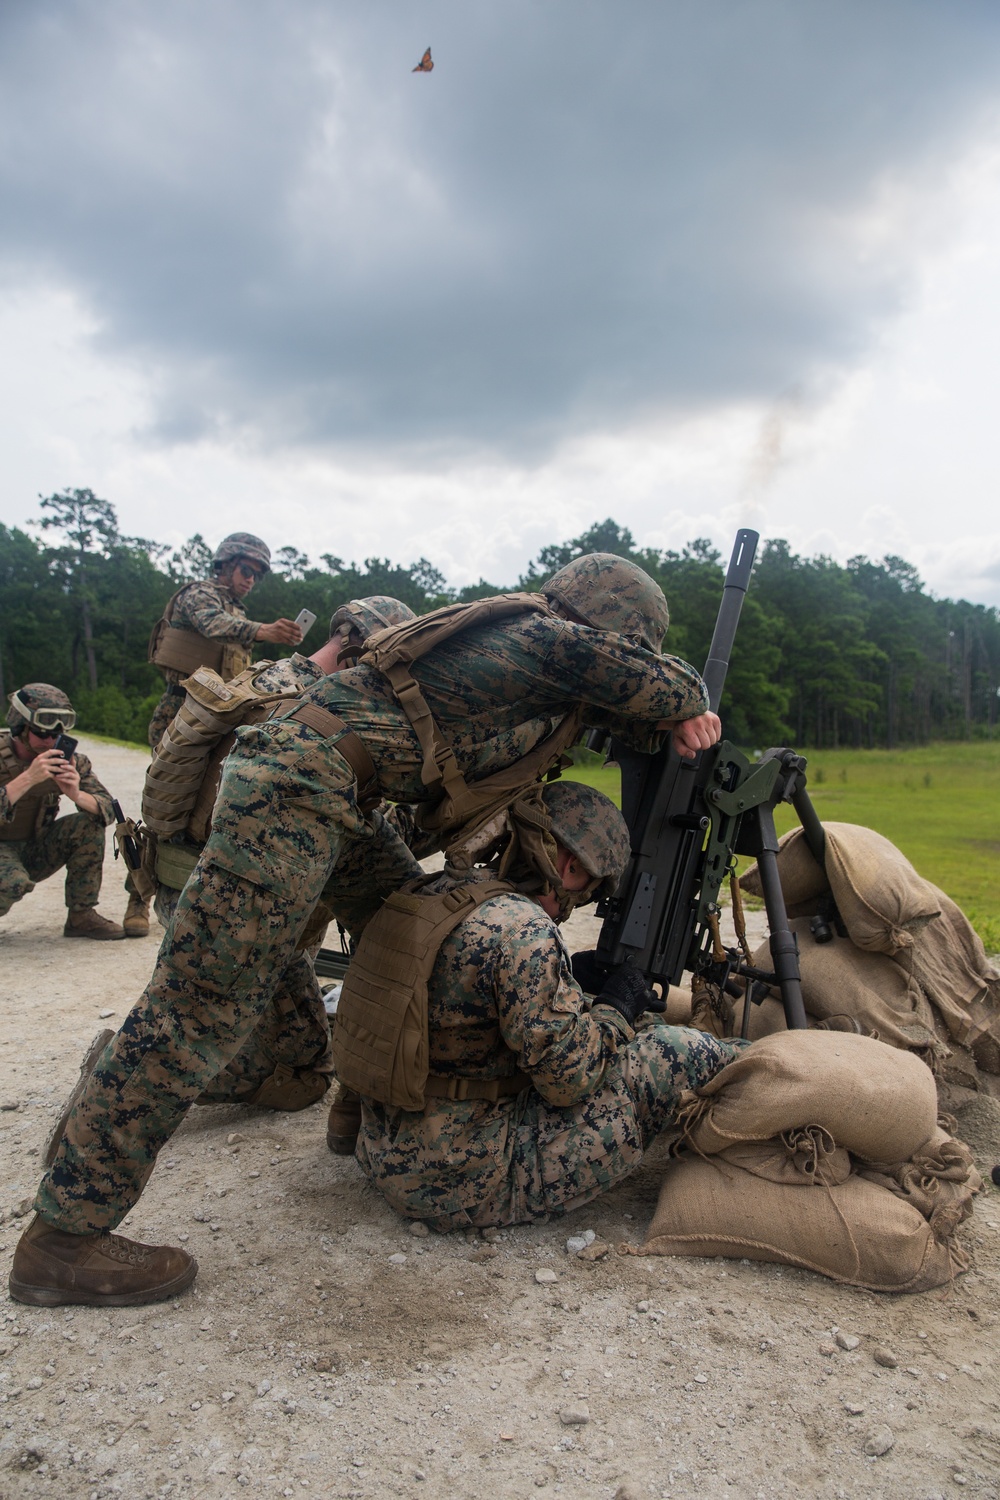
(242, 544)
(611, 593)
(42, 708)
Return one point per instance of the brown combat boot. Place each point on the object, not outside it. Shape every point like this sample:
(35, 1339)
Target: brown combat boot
(136, 919)
(344, 1122)
(55, 1269)
(90, 924)
(289, 1090)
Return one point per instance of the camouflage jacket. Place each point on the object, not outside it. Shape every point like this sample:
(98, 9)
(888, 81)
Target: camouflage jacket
(211, 610)
(495, 690)
(11, 766)
(502, 1000)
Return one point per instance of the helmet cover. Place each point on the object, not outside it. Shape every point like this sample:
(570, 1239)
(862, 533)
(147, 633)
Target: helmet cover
(42, 708)
(242, 544)
(367, 616)
(610, 593)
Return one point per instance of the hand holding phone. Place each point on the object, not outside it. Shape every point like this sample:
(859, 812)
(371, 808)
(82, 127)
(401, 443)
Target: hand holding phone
(305, 620)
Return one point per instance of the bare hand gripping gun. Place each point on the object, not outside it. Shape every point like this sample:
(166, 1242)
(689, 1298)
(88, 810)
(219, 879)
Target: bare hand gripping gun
(688, 819)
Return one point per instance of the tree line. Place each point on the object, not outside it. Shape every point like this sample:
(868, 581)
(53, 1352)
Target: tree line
(827, 654)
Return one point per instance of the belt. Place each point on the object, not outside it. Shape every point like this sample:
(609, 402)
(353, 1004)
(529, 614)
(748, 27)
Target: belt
(349, 745)
(439, 1087)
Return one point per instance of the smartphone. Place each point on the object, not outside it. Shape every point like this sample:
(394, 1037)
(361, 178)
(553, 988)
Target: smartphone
(305, 620)
(66, 745)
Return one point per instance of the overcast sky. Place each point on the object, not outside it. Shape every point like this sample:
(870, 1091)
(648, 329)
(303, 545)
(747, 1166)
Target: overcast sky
(693, 266)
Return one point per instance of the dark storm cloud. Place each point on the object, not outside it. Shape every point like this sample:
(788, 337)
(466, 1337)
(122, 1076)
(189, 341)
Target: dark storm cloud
(586, 212)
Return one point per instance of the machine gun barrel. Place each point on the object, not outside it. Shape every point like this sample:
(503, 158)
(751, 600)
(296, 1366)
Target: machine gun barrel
(651, 920)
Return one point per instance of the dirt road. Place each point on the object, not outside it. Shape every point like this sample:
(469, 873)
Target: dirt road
(327, 1350)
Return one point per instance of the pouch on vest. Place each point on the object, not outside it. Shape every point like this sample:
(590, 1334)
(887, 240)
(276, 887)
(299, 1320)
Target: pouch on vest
(211, 710)
(381, 1047)
(30, 810)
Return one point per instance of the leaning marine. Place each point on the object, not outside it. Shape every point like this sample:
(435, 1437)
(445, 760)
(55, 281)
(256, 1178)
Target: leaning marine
(459, 711)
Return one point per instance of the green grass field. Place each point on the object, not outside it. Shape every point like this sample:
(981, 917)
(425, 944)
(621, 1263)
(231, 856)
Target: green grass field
(940, 804)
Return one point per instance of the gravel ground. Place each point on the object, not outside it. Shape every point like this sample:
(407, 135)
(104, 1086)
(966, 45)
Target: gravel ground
(327, 1349)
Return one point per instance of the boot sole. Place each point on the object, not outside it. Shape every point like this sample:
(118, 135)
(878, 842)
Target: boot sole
(135, 932)
(43, 1296)
(341, 1145)
(96, 937)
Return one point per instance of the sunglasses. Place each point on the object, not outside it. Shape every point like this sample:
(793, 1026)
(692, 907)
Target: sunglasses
(248, 572)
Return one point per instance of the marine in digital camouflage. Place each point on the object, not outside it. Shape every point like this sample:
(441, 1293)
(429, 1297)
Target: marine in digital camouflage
(286, 816)
(502, 1000)
(75, 841)
(210, 609)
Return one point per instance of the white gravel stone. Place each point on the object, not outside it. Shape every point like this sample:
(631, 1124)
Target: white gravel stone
(846, 1341)
(545, 1275)
(879, 1441)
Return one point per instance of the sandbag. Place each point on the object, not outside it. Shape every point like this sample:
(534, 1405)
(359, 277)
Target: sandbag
(881, 899)
(856, 1232)
(799, 1157)
(940, 1181)
(839, 979)
(948, 961)
(877, 1101)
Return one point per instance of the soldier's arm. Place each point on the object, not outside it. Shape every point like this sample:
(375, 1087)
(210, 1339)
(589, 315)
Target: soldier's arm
(563, 1046)
(98, 798)
(201, 607)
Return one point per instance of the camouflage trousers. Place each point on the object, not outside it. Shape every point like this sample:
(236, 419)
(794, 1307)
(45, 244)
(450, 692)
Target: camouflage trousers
(76, 841)
(477, 1163)
(172, 699)
(286, 832)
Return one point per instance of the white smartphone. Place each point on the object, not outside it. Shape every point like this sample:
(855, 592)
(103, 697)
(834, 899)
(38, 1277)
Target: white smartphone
(305, 620)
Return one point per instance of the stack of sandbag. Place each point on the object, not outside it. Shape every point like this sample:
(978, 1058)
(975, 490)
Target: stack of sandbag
(911, 969)
(821, 1150)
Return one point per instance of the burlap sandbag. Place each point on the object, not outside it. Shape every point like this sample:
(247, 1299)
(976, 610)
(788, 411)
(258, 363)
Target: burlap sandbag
(940, 1181)
(840, 979)
(801, 1157)
(949, 963)
(882, 900)
(877, 1101)
(856, 1232)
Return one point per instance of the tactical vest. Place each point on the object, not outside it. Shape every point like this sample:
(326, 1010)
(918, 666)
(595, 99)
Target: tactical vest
(30, 809)
(457, 804)
(183, 777)
(381, 1046)
(185, 649)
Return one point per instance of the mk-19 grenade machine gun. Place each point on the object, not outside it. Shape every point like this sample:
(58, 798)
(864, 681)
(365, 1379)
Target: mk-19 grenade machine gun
(688, 819)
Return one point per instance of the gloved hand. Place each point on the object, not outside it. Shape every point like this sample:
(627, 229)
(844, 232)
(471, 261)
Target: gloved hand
(587, 971)
(626, 989)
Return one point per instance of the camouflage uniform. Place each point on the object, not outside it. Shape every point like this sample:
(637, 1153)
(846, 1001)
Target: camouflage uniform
(502, 1000)
(210, 609)
(76, 841)
(286, 828)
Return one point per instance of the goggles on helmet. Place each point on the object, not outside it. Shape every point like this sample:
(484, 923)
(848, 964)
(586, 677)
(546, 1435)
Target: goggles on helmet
(45, 722)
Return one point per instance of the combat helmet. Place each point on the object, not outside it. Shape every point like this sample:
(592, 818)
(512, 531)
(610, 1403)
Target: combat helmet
(366, 616)
(589, 825)
(612, 593)
(41, 707)
(585, 822)
(242, 544)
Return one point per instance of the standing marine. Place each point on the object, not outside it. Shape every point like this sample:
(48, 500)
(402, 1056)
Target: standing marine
(205, 624)
(459, 711)
(34, 841)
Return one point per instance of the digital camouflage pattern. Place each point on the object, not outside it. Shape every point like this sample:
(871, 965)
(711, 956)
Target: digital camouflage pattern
(286, 829)
(613, 594)
(76, 841)
(502, 999)
(208, 608)
(589, 825)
